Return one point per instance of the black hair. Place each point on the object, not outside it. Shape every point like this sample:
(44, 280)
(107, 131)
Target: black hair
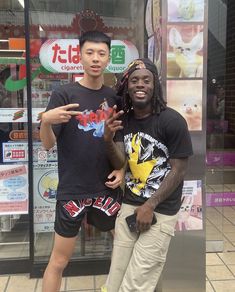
(96, 37)
(158, 102)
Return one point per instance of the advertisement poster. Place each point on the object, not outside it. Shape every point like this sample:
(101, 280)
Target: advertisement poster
(45, 186)
(13, 189)
(186, 98)
(185, 10)
(190, 214)
(185, 51)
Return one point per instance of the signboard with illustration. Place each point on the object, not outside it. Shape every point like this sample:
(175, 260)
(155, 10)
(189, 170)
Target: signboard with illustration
(45, 189)
(13, 189)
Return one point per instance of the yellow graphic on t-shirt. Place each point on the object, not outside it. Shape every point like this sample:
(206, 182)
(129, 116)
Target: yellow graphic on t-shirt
(139, 169)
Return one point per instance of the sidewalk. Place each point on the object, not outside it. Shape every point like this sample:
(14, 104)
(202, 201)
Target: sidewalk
(22, 283)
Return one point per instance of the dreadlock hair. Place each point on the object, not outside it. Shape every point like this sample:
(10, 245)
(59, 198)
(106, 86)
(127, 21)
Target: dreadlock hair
(158, 102)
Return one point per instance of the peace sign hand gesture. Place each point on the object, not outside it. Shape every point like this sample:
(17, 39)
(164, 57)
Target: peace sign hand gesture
(61, 114)
(112, 124)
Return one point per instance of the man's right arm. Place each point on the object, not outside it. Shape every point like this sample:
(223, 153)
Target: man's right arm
(55, 116)
(47, 135)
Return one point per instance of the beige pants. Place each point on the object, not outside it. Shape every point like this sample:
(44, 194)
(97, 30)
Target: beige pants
(138, 259)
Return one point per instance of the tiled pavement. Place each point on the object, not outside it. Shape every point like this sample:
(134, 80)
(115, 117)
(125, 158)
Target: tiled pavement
(220, 225)
(22, 283)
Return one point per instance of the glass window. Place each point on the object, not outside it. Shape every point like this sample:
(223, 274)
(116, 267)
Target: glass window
(66, 20)
(14, 231)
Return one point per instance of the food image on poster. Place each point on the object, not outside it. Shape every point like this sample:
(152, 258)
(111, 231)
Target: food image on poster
(185, 96)
(190, 214)
(184, 51)
(185, 10)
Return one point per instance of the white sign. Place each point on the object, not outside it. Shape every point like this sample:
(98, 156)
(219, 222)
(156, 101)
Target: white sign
(63, 55)
(19, 115)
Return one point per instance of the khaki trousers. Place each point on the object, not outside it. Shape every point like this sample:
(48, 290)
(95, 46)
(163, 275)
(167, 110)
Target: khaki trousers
(138, 259)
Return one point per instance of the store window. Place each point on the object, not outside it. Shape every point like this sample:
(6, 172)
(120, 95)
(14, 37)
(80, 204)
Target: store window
(14, 197)
(217, 126)
(155, 29)
(56, 62)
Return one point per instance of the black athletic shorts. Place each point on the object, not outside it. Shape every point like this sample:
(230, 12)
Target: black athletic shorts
(101, 212)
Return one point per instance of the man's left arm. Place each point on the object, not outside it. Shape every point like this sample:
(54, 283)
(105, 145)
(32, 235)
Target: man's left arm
(170, 183)
(167, 187)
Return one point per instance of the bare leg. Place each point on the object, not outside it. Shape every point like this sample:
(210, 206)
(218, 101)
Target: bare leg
(62, 251)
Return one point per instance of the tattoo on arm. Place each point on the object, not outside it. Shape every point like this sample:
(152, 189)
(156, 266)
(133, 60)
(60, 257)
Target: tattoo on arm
(116, 153)
(170, 182)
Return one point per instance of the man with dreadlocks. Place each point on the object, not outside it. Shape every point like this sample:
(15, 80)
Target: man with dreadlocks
(157, 147)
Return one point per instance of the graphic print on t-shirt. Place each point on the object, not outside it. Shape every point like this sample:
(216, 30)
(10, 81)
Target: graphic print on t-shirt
(147, 164)
(90, 120)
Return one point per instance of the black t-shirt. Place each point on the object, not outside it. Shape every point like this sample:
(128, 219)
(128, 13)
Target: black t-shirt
(149, 144)
(83, 164)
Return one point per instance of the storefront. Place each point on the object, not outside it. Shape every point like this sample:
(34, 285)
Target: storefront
(39, 50)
